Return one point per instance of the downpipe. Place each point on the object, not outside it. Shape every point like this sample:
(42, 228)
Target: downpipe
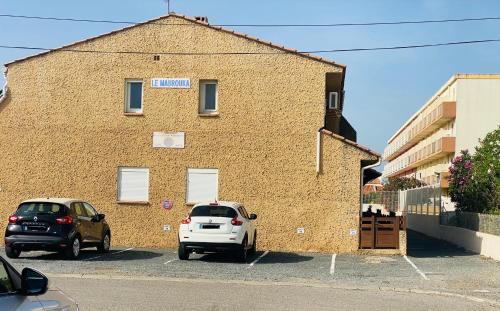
(361, 184)
(318, 150)
(361, 194)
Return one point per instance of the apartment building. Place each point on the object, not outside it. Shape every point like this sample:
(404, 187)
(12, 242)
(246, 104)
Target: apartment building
(166, 121)
(461, 112)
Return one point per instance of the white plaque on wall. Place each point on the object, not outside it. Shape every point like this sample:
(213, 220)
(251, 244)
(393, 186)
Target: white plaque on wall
(168, 140)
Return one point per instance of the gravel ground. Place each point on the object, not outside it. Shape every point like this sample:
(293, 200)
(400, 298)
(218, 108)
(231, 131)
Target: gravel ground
(446, 268)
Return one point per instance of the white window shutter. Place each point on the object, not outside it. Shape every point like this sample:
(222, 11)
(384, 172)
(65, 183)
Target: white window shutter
(133, 184)
(202, 185)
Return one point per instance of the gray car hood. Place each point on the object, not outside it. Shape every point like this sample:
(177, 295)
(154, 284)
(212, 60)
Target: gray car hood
(56, 300)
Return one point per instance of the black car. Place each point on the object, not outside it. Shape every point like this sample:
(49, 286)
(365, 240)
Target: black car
(54, 224)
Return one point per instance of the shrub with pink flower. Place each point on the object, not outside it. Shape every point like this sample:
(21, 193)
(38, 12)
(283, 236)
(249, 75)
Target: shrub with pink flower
(475, 180)
(460, 180)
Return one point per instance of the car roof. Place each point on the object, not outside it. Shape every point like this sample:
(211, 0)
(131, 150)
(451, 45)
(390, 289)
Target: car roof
(223, 203)
(64, 201)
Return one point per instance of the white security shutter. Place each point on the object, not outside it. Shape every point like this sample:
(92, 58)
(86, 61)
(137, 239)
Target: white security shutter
(202, 185)
(133, 184)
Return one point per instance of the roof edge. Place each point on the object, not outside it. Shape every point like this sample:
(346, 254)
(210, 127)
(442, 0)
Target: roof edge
(238, 34)
(440, 91)
(435, 96)
(255, 39)
(85, 40)
(352, 143)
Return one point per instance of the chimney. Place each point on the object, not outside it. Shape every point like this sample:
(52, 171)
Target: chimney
(202, 19)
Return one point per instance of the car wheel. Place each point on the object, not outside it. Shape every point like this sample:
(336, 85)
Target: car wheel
(105, 244)
(183, 252)
(243, 252)
(73, 250)
(12, 252)
(253, 250)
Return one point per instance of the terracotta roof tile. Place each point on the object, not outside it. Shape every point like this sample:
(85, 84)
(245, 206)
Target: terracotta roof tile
(350, 142)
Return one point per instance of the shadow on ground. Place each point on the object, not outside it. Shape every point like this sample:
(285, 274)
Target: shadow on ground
(270, 258)
(279, 257)
(220, 257)
(421, 245)
(93, 255)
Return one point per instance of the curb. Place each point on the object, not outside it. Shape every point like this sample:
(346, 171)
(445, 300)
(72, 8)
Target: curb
(270, 283)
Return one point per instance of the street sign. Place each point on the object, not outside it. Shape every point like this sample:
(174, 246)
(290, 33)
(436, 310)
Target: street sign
(167, 204)
(171, 83)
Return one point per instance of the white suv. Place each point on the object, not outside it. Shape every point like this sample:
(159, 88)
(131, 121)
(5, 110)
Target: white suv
(218, 227)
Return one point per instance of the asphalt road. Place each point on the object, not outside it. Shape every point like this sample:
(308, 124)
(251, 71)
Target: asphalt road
(102, 294)
(435, 270)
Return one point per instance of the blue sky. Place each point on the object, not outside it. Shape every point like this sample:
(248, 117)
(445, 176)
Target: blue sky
(383, 88)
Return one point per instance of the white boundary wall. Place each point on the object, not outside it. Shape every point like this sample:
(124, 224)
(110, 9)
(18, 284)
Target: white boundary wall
(482, 243)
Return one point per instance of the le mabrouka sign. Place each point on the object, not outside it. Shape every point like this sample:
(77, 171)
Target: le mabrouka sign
(171, 83)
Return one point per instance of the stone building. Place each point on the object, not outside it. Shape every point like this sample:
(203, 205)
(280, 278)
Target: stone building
(144, 121)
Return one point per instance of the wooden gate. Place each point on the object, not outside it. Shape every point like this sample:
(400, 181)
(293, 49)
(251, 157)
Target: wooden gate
(380, 231)
(367, 236)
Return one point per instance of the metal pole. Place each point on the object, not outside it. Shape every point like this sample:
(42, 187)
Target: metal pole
(420, 200)
(433, 201)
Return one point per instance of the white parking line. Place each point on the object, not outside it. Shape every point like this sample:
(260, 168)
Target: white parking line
(124, 250)
(332, 266)
(417, 269)
(258, 258)
(170, 261)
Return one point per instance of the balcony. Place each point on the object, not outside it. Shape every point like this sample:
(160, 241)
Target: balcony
(432, 151)
(442, 179)
(425, 125)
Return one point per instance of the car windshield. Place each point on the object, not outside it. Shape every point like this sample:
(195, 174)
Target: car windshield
(213, 211)
(40, 208)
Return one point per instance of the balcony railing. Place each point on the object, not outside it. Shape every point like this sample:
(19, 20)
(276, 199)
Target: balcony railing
(434, 150)
(441, 179)
(423, 126)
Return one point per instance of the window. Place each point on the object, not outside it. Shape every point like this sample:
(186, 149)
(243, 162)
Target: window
(37, 208)
(333, 100)
(243, 212)
(78, 209)
(5, 283)
(208, 97)
(213, 211)
(202, 185)
(89, 209)
(133, 96)
(133, 184)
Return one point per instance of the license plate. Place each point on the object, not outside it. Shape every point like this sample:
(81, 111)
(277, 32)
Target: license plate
(210, 226)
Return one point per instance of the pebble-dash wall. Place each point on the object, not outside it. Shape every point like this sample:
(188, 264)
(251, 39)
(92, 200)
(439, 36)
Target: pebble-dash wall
(63, 133)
